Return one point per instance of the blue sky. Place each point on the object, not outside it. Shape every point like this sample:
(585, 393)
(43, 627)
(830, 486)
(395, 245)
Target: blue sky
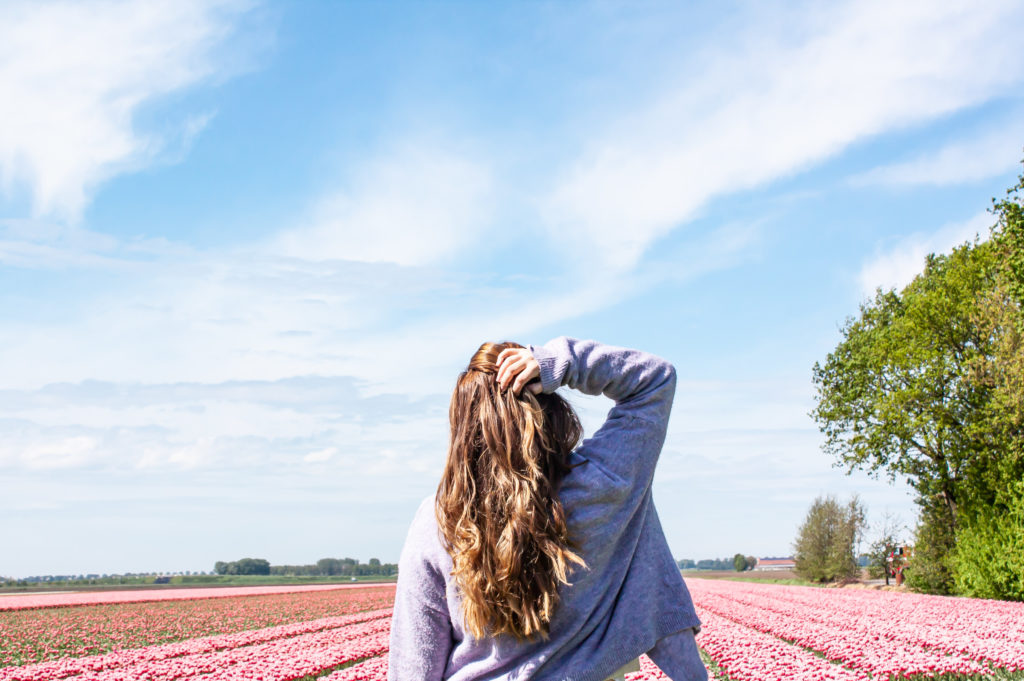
(245, 248)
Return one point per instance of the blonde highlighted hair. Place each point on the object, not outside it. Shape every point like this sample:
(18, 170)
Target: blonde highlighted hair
(497, 504)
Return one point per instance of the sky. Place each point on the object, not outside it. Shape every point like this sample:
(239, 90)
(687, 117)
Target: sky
(246, 248)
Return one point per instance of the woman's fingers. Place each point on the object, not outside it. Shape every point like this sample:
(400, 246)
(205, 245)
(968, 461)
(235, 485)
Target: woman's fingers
(509, 370)
(517, 366)
(529, 372)
(505, 361)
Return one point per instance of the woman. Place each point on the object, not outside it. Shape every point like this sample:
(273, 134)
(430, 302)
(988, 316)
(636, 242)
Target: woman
(538, 559)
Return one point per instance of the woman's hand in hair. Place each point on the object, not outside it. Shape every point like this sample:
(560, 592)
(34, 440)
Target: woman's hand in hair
(516, 366)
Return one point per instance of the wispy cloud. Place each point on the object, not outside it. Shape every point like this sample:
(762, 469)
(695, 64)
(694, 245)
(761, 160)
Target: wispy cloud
(418, 203)
(776, 96)
(74, 75)
(979, 157)
(896, 265)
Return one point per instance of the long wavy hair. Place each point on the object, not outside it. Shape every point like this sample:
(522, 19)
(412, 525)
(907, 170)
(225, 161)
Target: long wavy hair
(497, 504)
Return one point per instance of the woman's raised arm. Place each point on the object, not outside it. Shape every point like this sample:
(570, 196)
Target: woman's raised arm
(642, 385)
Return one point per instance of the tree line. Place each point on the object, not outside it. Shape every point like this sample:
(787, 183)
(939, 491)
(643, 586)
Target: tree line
(927, 385)
(344, 567)
(718, 563)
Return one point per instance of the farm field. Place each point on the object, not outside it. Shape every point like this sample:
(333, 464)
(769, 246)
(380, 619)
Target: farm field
(751, 631)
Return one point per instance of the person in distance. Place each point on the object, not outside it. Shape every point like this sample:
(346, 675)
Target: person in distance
(541, 557)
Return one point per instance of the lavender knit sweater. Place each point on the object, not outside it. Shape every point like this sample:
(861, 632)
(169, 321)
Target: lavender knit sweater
(631, 599)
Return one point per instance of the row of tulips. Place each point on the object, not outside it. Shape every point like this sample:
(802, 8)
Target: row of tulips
(974, 616)
(865, 630)
(986, 631)
(63, 668)
(75, 598)
(33, 636)
(744, 654)
(977, 617)
(279, 660)
(870, 654)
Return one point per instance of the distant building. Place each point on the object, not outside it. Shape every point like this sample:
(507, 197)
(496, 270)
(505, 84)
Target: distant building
(767, 564)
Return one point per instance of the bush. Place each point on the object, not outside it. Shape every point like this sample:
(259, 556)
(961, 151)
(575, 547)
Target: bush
(989, 557)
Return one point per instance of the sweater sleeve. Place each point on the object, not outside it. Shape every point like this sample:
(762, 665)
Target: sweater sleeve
(421, 634)
(642, 385)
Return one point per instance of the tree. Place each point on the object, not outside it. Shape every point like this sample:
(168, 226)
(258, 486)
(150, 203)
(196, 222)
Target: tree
(897, 395)
(329, 566)
(252, 566)
(751, 562)
(893, 396)
(739, 562)
(826, 543)
(989, 557)
(882, 558)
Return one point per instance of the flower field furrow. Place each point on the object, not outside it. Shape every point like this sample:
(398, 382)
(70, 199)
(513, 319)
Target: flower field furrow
(304, 661)
(35, 636)
(343, 644)
(374, 669)
(875, 655)
(865, 616)
(62, 600)
(63, 668)
(749, 655)
(976, 618)
(948, 625)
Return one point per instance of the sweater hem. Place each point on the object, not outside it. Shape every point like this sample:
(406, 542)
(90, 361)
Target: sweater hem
(637, 646)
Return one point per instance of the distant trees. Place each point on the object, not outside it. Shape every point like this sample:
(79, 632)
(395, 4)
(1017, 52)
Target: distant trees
(927, 384)
(325, 567)
(243, 566)
(741, 563)
(717, 563)
(825, 547)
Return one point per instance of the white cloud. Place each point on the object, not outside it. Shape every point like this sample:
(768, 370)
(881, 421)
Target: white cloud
(896, 265)
(324, 454)
(73, 77)
(53, 453)
(418, 204)
(967, 160)
(773, 98)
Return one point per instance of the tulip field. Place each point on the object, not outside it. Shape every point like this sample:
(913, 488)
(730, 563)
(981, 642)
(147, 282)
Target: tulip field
(750, 631)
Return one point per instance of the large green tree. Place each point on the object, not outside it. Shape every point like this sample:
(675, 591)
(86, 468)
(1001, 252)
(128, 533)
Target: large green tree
(927, 384)
(894, 397)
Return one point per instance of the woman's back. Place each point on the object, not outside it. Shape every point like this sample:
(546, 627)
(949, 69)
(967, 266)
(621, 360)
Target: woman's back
(630, 599)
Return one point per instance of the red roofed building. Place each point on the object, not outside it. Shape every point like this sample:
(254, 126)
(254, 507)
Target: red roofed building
(775, 564)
